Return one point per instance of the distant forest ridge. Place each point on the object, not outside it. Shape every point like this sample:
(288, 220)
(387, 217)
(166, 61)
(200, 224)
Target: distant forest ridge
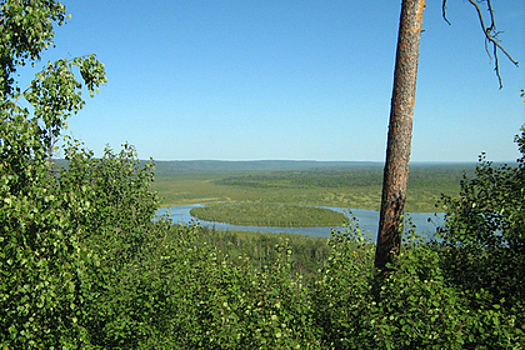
(220, 165)
(182, 166)
(163, 167)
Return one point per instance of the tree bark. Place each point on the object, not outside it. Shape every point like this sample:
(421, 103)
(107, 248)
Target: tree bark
(395, 176)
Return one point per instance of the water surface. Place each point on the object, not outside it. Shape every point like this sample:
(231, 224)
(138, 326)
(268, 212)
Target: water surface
(426, 223)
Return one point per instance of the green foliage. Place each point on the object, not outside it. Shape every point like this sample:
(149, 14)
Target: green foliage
(264, 214)
(485, 237)
(121, 201)
(114, 228)
(308, 253)
(343, 289)
(26, 29)
(84, 263)
(40, 252)
(331, 178)
(183, 294)
(415, 307)
(39, 260)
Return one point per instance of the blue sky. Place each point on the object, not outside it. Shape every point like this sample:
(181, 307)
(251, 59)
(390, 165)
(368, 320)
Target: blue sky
(287, 79)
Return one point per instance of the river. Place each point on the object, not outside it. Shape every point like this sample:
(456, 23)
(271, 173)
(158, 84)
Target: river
(426, 223)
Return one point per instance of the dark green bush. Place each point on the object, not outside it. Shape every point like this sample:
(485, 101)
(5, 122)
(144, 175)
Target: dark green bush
(484, 243)
(485, 230)
(113, 229)
(417, 306)
(183, 294)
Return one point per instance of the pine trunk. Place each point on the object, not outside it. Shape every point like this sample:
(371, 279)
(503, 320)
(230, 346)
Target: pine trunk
(399, 133)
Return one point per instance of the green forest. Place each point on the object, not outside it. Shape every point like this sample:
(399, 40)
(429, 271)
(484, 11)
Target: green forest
(264, 214)
(85, 263)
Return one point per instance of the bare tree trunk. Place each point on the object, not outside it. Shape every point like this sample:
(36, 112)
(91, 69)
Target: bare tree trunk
(399, 133)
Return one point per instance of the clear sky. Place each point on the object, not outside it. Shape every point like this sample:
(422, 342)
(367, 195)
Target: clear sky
(291, 79)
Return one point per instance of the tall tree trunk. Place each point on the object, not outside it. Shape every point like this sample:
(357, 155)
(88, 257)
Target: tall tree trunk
(399, 133)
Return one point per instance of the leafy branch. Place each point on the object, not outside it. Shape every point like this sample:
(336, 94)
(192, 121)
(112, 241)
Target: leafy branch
(91, 70)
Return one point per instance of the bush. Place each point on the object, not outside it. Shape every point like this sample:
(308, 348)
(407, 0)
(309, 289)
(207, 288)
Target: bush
(484, 240)
(183, 294)
(417, 306)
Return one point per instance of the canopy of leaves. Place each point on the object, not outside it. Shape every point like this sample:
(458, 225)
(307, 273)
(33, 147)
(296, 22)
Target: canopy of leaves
(26, 29)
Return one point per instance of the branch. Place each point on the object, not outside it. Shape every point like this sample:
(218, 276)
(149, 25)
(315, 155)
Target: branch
(491, 12)
(490, 37)
(22, 94)
(53, 67)
(444, 12)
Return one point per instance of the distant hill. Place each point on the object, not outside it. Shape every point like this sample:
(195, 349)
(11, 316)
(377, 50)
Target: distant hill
(224, 165)
(218, 165)
(188, 166)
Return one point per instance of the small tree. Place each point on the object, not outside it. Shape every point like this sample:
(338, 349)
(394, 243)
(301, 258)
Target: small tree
(40, 255)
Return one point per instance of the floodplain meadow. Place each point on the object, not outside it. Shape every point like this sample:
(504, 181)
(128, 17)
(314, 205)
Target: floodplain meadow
(348, 186)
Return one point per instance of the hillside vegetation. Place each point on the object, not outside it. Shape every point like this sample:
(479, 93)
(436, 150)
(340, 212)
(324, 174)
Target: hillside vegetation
(105, 275)
(85, 263)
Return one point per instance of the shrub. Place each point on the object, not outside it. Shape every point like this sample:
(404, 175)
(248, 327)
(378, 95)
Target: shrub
(484, 240)
(417, 306)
